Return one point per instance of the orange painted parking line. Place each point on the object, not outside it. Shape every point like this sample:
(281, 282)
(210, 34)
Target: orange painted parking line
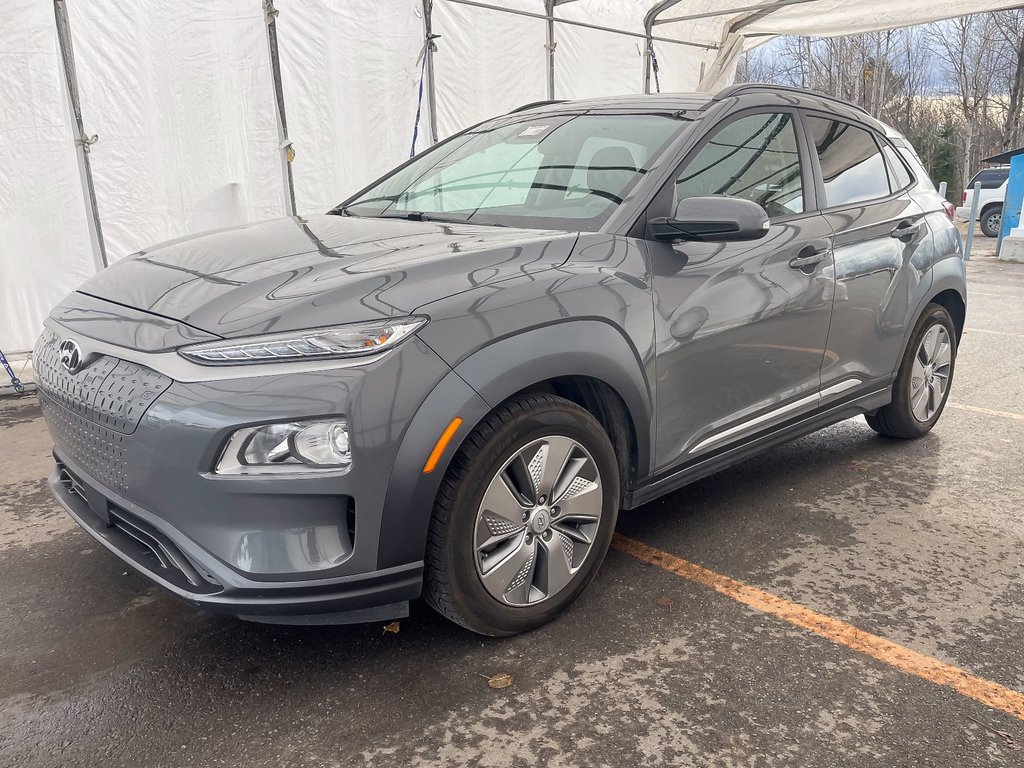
(987, 411)
(995, 333)
(895, 655)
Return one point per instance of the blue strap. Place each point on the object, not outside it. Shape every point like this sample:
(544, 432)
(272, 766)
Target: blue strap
(419, 106)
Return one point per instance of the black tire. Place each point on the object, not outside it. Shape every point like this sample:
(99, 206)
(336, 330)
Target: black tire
(992, 221)
(451, 584)
(897, 419)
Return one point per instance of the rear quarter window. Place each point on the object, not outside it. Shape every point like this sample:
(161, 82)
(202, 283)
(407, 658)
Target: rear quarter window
(900, 177)
(990, 179)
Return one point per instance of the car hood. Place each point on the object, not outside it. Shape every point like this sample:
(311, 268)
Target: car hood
(295, 273)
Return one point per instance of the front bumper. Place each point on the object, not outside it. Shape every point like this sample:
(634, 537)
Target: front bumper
(136, 448)
(138, 538)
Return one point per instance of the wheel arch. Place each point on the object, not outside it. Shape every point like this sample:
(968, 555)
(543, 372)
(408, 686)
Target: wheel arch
(953, 301)
(586, 361)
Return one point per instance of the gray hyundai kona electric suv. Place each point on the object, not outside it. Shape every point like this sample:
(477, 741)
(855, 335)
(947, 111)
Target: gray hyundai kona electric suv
(450, 384)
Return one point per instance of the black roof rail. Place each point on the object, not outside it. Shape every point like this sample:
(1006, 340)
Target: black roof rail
(535, 104)
(739, 88)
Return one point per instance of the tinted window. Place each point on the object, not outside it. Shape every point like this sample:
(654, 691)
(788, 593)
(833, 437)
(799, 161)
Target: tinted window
(553, 171)
(852, 166)
(991, 179)
(755, 158)
(900, 178)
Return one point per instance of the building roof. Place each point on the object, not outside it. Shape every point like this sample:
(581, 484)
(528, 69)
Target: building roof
(1004, 158)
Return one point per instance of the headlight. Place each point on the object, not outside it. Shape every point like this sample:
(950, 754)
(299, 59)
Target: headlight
(290, 447)
(318, 343)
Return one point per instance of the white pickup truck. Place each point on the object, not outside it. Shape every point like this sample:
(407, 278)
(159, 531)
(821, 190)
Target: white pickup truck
(994, 182)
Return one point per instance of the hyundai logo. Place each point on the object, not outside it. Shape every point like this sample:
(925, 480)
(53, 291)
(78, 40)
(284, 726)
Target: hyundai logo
(70, 355)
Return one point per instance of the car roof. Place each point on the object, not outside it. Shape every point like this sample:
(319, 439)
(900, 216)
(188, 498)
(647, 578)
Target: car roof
(639, 102)
(695, 103)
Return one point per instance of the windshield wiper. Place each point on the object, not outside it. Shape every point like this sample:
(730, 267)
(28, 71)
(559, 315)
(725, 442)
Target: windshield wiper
(421, 216)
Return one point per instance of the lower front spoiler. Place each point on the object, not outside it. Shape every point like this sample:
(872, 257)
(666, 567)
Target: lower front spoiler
(374, 596)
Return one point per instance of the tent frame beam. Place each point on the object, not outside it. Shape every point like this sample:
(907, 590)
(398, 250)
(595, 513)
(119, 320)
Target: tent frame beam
(763, 7)
(651, 20)
(428, 68)
(584, 24)
(83, 141)
(284, 144)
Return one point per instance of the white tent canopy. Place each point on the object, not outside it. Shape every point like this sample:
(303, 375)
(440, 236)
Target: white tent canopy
(198, 105)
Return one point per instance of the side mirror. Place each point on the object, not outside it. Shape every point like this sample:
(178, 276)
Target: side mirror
(713, 219)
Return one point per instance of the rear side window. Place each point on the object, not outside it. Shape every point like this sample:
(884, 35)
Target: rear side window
(852, 166)
(900, 177)
(993, 178)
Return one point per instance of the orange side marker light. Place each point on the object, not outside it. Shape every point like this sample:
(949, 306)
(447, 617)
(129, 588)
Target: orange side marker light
(442, 443)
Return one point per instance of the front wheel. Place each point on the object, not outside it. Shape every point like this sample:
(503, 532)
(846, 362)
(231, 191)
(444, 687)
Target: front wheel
(923, 380)
(523, 518)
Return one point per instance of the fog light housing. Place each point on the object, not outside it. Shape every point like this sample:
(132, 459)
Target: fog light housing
(288, 447)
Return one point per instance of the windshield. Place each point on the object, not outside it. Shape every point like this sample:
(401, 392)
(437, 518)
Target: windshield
(562, 172)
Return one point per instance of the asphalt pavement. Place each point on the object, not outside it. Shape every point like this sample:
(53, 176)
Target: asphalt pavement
(916, 545)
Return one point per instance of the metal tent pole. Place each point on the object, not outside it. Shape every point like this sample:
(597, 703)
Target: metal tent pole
(82, 140)
(428, 52)
(549, 11)
(284, 144)
(650, 19)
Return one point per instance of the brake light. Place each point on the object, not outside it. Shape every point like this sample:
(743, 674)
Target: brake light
(963, 198)
(950, 210)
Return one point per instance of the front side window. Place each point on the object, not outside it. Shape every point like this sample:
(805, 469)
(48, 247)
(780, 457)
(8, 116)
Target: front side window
(852, 166)
(560, 171)
(755, 158)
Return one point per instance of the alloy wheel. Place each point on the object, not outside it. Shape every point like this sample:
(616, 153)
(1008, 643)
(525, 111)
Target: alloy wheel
(994, 222)
(537, 521)
(929, 377)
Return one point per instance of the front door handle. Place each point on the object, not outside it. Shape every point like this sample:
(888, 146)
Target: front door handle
(809, 258)
(906, 230)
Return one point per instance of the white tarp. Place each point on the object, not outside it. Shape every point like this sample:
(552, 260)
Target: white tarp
(44, 238)
(182, 97)
(350, 76)
(179, 94)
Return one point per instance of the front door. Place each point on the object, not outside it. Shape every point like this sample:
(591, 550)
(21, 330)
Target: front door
(741, 327)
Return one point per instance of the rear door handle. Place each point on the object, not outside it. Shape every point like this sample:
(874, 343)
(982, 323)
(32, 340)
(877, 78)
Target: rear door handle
(809, 259)
(906, 229)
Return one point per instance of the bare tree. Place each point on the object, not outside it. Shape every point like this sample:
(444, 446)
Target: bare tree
(1010, 26)
(967, 52)
(955, 88)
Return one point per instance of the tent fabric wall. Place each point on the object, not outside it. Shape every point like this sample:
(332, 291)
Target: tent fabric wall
(487, 62)
(44, 240)
(350, 76)
(182, 97)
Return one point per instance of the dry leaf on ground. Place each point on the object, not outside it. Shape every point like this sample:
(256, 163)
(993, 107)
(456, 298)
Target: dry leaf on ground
(500, 680)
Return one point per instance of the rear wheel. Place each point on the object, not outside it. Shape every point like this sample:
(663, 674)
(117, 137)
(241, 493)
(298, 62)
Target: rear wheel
(523, 517)
(992, 221)
(923, 380)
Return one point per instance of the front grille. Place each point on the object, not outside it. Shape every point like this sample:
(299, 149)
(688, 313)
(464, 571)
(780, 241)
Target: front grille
(100, 452)
(109, 392)
(93, 413)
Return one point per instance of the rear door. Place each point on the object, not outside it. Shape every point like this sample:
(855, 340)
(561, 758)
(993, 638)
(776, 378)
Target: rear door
(878, 230)
(741, 327)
